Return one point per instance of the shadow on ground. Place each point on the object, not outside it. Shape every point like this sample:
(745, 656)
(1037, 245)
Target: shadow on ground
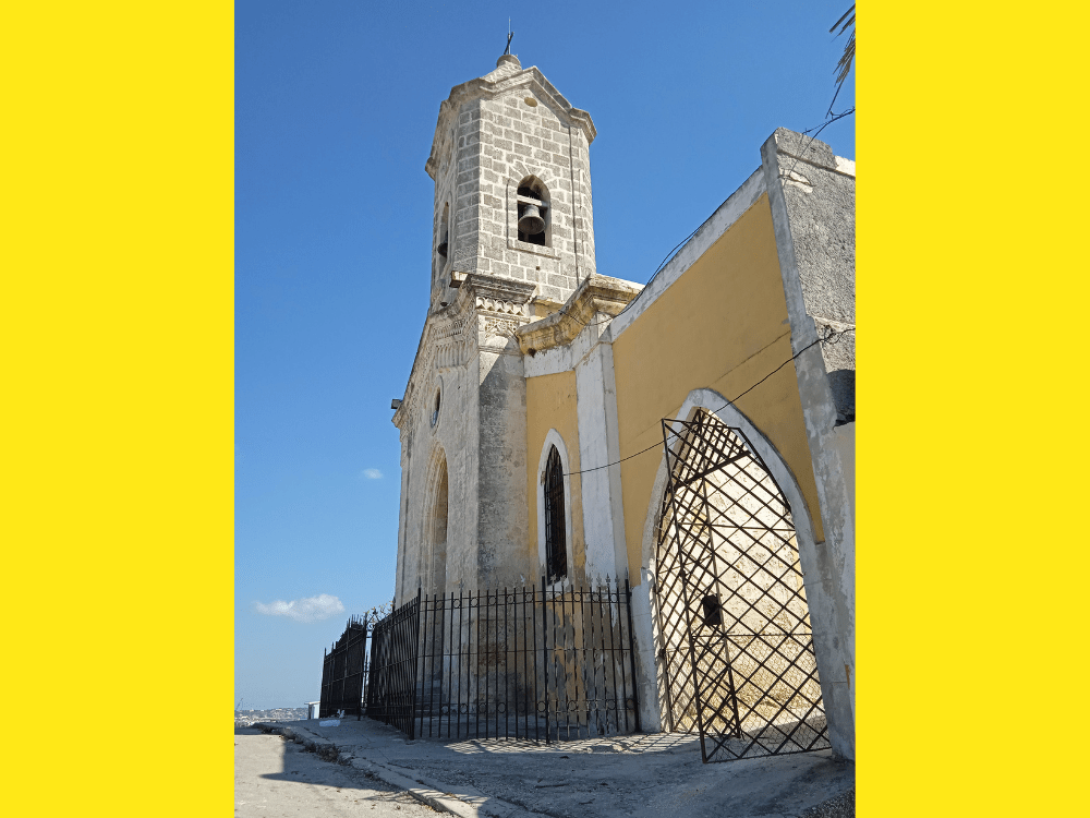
(643, 776)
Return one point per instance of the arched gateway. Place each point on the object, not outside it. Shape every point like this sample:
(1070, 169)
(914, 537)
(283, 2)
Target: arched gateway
(735, 647)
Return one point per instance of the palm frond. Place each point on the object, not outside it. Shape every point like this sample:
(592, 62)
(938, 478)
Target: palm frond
(844, 65)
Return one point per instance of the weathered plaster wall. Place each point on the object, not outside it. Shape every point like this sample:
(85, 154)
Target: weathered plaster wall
(422, 445)
(844, 441)
(818, 191)
(721, 326)
(603, 525)
(551, 403)
(501, 421)
(811, 206)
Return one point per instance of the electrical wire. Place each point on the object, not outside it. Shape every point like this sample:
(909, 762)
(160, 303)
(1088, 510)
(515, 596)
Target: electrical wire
(831, 335)
(817, 129)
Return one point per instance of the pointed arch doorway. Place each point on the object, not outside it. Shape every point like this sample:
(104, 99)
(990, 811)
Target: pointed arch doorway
(735, 645)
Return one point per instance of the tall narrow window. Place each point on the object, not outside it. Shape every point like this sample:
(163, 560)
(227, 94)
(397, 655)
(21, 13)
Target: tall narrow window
(556, 543)
(438, 572)
(444, 232)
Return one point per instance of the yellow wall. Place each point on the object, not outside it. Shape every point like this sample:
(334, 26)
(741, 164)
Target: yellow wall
(723, 326)
(551, 404)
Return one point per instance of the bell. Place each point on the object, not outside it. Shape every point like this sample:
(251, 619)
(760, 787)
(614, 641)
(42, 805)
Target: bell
(530, 222)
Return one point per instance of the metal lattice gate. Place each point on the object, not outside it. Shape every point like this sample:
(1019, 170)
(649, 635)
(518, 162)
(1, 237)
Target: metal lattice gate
(736, 651)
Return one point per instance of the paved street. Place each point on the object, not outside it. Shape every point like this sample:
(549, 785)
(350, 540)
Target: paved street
(636, 776)
(276, 778)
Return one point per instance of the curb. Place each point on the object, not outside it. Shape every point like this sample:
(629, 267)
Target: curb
(432, 793)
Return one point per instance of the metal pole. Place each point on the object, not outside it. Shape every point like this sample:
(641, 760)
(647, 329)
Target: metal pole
(632, 661)
(545, 657)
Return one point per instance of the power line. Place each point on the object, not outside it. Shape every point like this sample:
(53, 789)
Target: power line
(817, 129)
(830, 335)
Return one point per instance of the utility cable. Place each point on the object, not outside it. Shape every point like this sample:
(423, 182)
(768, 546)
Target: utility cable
(831, 335)
(816, 129)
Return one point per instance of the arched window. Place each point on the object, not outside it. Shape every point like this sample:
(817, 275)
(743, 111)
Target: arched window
(532, 215)
(444, 232)
(437, 569)
(556, 546)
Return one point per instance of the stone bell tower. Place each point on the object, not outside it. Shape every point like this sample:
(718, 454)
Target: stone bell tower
(505, 144)
(512, 239)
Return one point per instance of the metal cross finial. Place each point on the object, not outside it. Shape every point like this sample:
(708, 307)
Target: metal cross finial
(510, 34)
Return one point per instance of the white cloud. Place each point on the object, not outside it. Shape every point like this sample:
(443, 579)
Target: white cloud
(372, 474)
(307, 609)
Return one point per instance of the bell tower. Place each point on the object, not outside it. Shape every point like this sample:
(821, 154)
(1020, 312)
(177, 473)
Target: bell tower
(512, 239)
(511, 167)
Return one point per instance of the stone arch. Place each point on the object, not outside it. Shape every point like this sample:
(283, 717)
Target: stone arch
(436, 525)
(647, 636)
(519, 171)
(532, 197)
(714, 403)
(550, 184)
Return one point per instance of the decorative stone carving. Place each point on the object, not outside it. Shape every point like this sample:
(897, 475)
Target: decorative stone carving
(596, 295)
(505, 327)
(502, 307)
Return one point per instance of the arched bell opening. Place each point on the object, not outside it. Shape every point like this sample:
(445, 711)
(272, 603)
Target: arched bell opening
(534, 212)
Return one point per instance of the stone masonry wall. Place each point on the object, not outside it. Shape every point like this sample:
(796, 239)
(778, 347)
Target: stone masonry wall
(498, 141)
(819, 191)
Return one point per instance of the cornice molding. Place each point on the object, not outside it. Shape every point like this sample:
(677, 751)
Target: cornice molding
(484, 304)
(483, 88)
(494, 294)
(597, 294)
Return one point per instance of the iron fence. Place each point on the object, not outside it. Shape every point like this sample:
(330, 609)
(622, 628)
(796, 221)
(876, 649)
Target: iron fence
(391, 686)
(540, 663)
(344, 670)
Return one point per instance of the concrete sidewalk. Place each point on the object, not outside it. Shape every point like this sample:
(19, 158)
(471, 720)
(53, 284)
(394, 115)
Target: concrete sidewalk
(637, 776)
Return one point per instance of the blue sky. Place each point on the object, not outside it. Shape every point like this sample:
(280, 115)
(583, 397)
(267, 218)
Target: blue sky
(336, 104)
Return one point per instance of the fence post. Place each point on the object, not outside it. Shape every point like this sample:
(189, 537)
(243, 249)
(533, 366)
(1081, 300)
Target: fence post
(363, 669)
(545, 656)
(416, 658)
(325, 671)
(632, 655)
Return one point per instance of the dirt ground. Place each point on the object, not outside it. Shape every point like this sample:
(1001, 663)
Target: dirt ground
(276, 778)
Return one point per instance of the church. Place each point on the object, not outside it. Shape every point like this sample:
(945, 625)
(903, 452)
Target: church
(693, 436)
